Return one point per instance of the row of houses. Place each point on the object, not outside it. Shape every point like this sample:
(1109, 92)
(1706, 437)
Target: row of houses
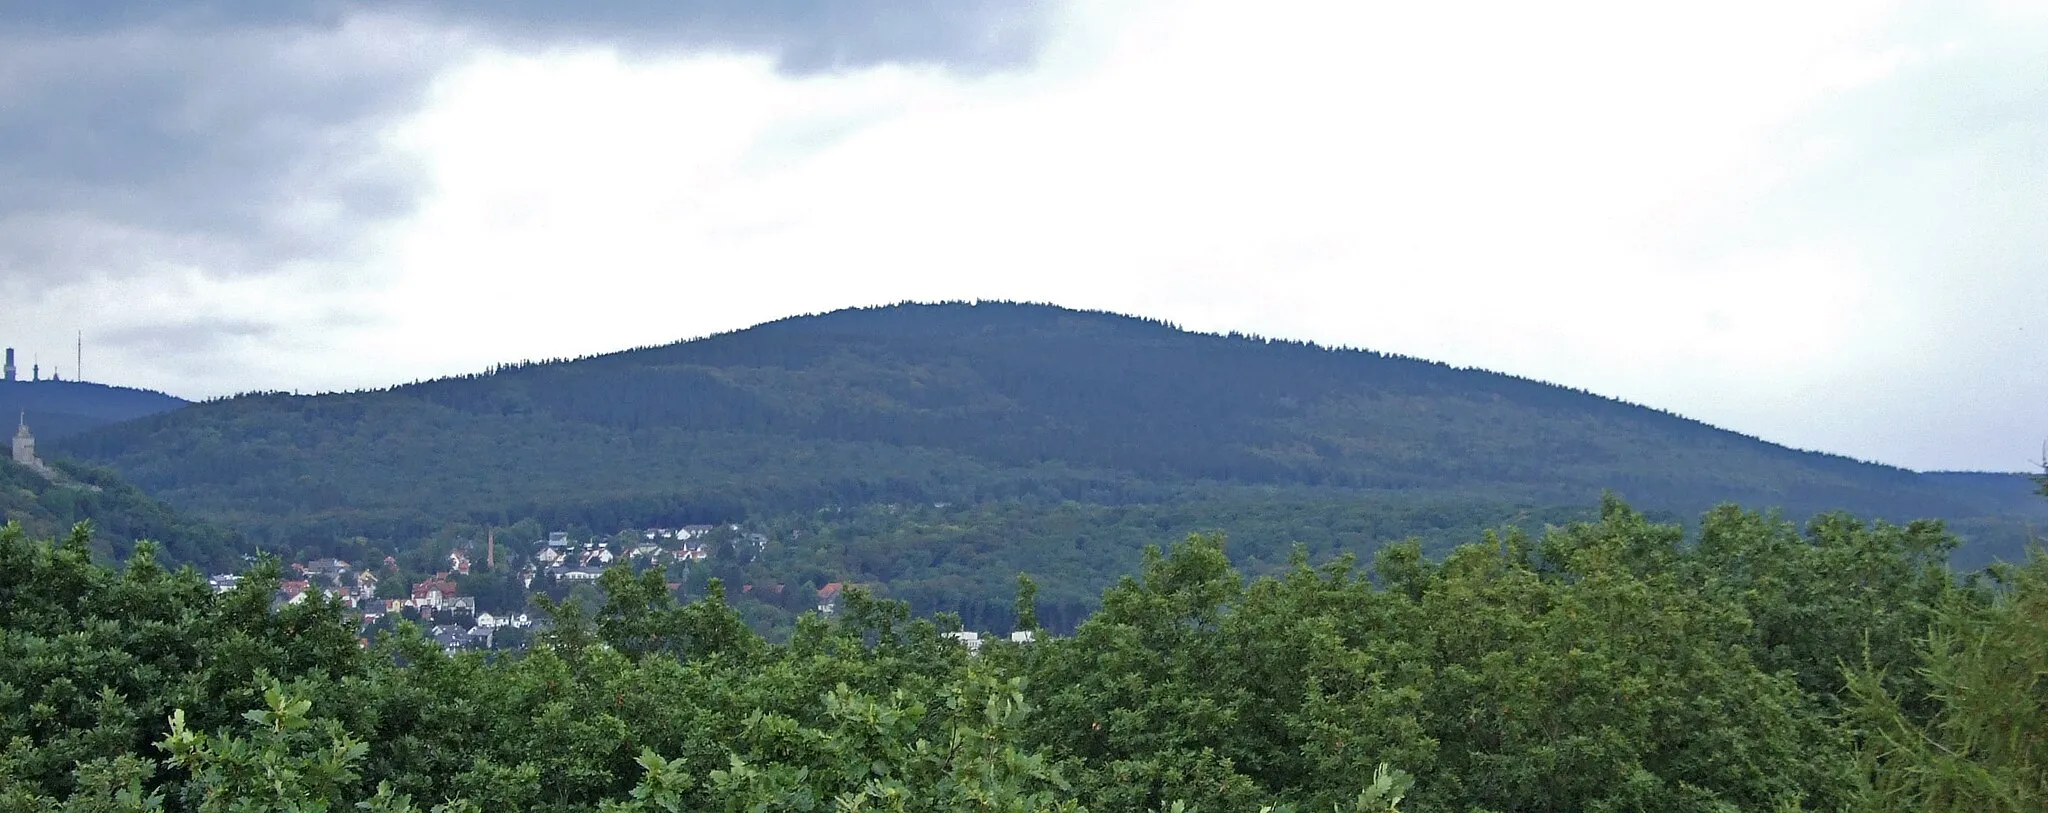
(479, 635)
(683, 534)
(357, 590)
(567, 560)
(329, 577)
(558, 550)
(559, 556)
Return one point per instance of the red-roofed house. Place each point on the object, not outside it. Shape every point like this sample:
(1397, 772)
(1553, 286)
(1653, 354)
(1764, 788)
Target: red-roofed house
(436, 592)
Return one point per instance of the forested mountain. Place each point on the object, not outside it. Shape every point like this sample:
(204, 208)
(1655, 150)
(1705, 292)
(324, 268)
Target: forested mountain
(968, 403)
(56, 409)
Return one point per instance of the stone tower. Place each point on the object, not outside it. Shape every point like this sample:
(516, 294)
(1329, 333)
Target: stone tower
(9, 371)
(25, 445)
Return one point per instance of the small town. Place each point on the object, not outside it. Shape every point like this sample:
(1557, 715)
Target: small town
(378, 596)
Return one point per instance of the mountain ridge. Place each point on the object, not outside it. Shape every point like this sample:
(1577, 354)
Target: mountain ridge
(962, 402)
(821, 322)
(56, 409)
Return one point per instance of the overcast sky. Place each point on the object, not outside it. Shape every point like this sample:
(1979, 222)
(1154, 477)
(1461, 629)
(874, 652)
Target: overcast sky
(1819, 222)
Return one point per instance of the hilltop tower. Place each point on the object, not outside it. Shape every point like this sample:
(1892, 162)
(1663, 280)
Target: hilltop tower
(9, 370)
(25, 445)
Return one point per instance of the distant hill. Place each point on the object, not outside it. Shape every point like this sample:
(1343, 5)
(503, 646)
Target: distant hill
(57, 409)
(969, 403)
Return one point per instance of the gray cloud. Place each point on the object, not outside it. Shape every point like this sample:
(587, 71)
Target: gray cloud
(216, 149)
(182, 339)
(807, 35)
(237, 135)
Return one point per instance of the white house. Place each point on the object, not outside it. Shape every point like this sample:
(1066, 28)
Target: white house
(971, 639)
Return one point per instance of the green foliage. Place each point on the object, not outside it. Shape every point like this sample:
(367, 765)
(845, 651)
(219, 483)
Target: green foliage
(1982, 742)
(1587, 671)
(1604, 665)
(1843, 586)
(1389, 786)
(1027, 604)
(91, 659)
(287, 762)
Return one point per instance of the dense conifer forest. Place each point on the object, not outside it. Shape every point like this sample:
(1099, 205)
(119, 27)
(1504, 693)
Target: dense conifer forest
(1611, 664)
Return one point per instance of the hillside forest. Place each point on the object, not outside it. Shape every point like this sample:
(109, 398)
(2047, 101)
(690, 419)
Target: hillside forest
(930, 452)
(971, 404)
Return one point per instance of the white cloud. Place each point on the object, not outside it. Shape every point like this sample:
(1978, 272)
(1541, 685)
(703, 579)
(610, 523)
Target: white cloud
(1719, 210)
